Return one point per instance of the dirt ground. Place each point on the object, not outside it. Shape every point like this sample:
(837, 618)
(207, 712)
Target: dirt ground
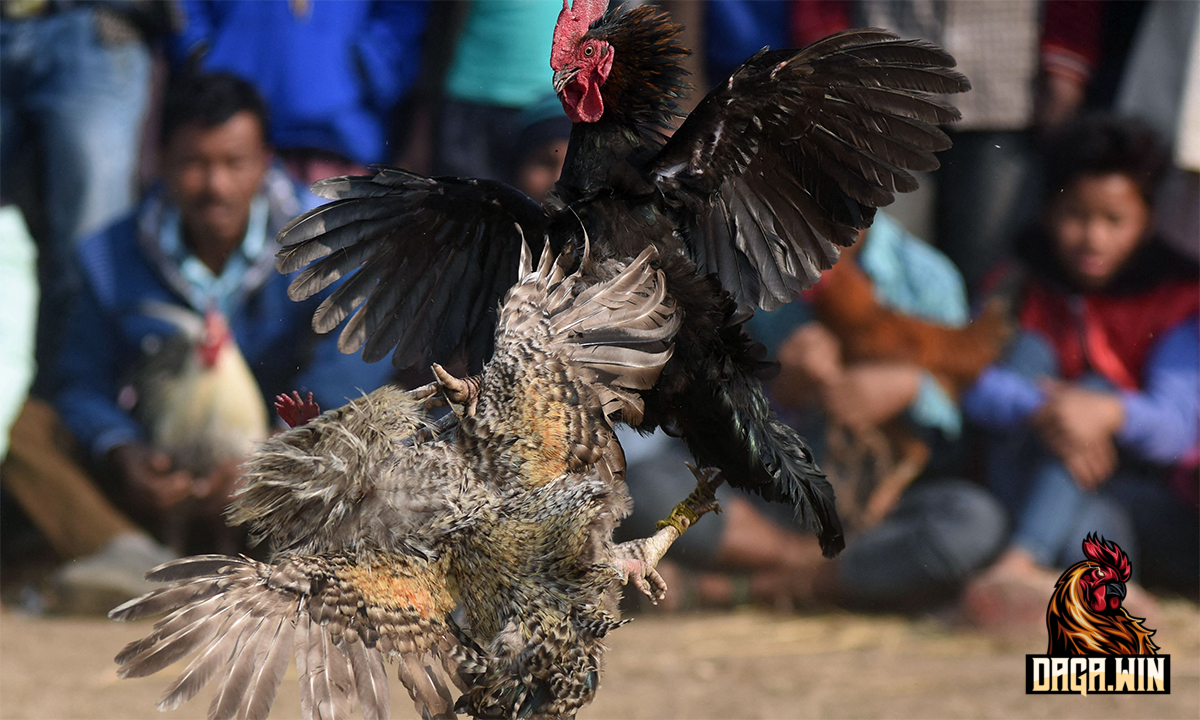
(744, 664)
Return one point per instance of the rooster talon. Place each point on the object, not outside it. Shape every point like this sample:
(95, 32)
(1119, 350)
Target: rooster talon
(644, 577)
(461, 394)
(294, 410)
(656, 583)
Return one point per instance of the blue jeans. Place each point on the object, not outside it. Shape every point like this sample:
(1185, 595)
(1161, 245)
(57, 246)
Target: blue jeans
(940, 533)
(83, 102)
(1168, 534)
(1052, 514)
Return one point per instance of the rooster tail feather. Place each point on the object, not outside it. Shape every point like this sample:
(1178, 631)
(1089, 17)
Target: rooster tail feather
(730, 425)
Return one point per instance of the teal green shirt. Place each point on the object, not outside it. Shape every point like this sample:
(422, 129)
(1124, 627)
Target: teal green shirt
(503, 54)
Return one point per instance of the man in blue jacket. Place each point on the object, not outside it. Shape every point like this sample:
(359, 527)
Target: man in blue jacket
(203, 241)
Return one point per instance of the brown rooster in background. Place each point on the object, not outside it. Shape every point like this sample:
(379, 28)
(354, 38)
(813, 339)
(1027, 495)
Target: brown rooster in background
(384, 521)
(1085, 616)
(871, 468)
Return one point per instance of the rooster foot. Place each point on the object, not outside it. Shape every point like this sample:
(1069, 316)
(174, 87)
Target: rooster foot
(637, 559)
(643, 576)
(296, 411)
(461, 394)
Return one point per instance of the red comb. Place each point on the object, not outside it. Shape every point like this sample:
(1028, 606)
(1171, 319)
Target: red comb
(1108, 554)
(572, 23)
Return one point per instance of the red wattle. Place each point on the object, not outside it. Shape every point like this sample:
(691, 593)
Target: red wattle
(581, 100)
(592, 107)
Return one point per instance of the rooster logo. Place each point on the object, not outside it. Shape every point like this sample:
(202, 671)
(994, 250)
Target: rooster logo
(1085, 616)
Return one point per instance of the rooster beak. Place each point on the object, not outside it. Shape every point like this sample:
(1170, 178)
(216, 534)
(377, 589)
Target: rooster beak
(1114, 589)
(564, 76)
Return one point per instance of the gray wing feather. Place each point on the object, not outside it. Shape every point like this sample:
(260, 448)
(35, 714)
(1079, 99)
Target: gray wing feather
(351, 475)
(371, 680)
(244, 619)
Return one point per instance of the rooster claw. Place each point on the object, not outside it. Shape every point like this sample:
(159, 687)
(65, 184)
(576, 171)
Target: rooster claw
(644, 577)
(704, 498)
(461, 394)
(294, 410)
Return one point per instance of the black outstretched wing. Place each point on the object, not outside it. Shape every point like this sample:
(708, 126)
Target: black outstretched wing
(790, 157)
(431, 258)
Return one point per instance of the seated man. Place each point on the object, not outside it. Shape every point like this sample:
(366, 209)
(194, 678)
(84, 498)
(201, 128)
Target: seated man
(182, 334)
(876, 371)
(1094, 411)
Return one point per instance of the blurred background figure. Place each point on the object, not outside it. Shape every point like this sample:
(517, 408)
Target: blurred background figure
(183, 331)
(1032, 65)
(74, 91)
(332, 72)
(540, 147)
(1029, 65)
(1096, 406)
(873, 363)
(499, 66)
(872, 381)
(1162, 87)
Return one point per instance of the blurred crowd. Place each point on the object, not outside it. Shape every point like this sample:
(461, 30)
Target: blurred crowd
(1007, 360)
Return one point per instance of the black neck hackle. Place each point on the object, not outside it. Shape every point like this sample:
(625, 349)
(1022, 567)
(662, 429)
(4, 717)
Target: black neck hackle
(647, 78)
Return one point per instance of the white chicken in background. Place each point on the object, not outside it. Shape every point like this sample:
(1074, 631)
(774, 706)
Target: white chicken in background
(196, 396)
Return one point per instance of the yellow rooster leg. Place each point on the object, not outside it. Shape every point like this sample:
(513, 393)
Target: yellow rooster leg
(637, 559)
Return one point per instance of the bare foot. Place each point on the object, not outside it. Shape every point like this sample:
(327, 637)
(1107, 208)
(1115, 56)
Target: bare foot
(1011, 595)
(1139, 603)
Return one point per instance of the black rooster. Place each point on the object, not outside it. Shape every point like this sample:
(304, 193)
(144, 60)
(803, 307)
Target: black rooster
(746, 202)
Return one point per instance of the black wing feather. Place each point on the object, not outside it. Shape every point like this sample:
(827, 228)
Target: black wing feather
(424, 262)
(789, 158)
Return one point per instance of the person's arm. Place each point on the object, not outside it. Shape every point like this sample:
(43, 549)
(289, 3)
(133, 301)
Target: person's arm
(1002, 399)
(1007, 394)
(89, 369)
(1160, 422)
(88, 372)
(1070, 49)
(868, 394)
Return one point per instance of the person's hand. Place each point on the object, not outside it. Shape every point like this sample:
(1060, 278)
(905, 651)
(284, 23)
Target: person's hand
(1090, 466)
(214, 491)
(1059, 98)
(869, 394)
(149, 476)
(1079, 425)
(809, 361)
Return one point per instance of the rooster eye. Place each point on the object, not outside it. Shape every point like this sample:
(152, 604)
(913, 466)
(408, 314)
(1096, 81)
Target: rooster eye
(589, 51)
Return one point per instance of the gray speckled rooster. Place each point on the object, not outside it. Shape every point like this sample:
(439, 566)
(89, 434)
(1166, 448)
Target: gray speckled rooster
(384, 521)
